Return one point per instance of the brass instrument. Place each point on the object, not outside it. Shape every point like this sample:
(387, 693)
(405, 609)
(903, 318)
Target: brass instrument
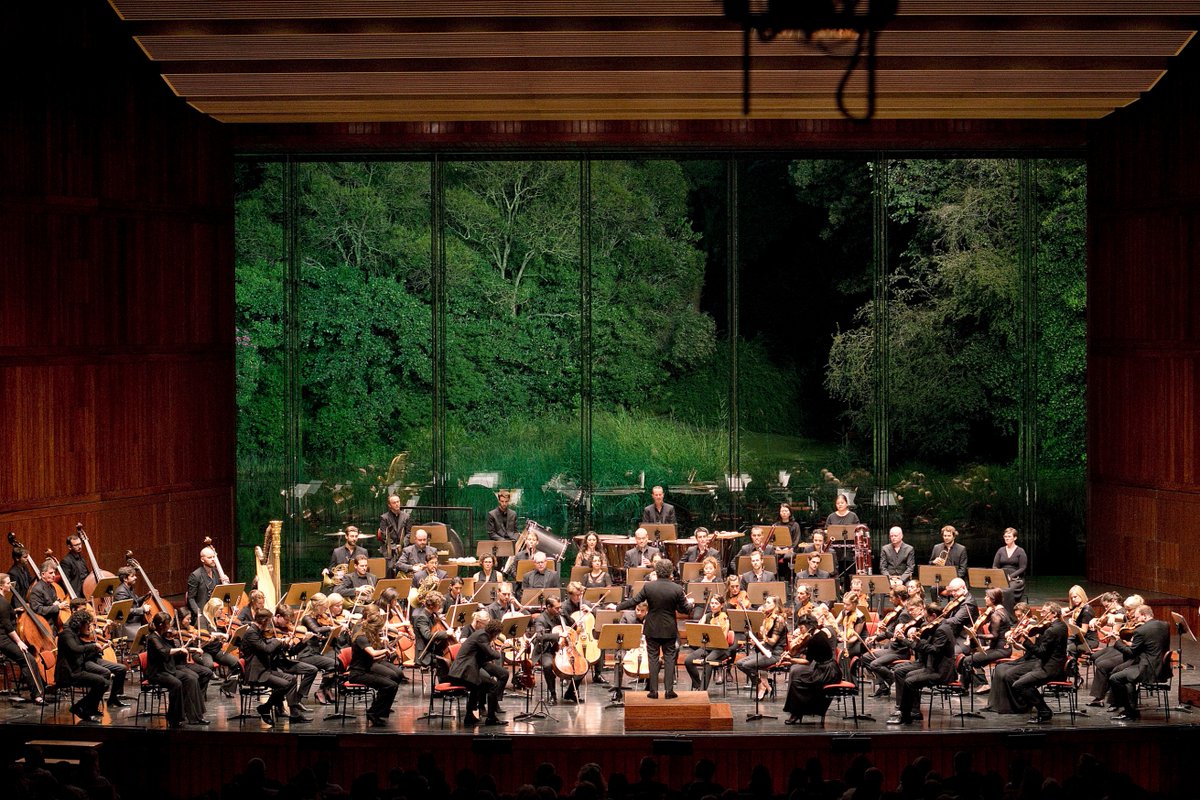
(940, 561)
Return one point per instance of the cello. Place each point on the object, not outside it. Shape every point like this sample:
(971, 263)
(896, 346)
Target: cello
(97, 574)
(36, 633)
(154, 600)
(64, 613)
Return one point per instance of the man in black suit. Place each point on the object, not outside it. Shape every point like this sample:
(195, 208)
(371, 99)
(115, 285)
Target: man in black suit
(758, 542)
(549, 634)
(935, 653)
(502, 520)
(125, 591)
(469, 668)
(395, 525)
(757, 573)
(701, 549)
(430, 567)
(42, 597)
(260, 653)
(540, 577)
(897, 560)
(658, 512)
(664, 598)
(813, 572)
(642, 553)
(1145, 660)
(1049, 655)
(349, 550)
(202, 582)
(416, 554)
(73, 567)
(360, 577)
(950, 553)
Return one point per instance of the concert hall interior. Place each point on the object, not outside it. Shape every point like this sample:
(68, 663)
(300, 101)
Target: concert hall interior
(287, 278)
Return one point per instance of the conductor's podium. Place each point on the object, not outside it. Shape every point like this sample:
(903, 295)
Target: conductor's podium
(691, 711)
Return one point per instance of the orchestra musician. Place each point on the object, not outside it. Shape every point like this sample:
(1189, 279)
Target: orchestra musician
(504, 603)
(360, 577)
(77, 666)
(1080, 615)
(701, 550)
(758, 543)
(73, 567)
(735, 598)
(815, 669)
(487, 572)
(417, 554)
(19, 572)
(658, 512)
(642, 553)
(539, 577)
(469, 668)
(1145, 661)
(344, 554)
(454, 595)
(549, 635)
(933, 653)
(897, 560)
(11, 644)
(1110, 659)
(756, 573)
(502, 520)
(887, 648)
(527, 546)
(842, 515)
(695, 657)
(182, 685)
(710, 570)
(425, 618)
(949, 553)
(255, 600)
(429, 568)
(215, 619)
(395, 525)
(597, 576)
(203, 581)
(261, 649)
(43, 598)
(664, 599)
(998, 622)
(303, 651)
(813, 570)
(773, 636)
(1046, 658)
(818, 543)
(592, 548)
(1012, 559)
(851, 623)
(788, 520)
(368, 666)
(137, 614)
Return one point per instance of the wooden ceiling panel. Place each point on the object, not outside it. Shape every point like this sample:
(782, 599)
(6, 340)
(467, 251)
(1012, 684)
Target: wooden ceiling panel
(492, 60)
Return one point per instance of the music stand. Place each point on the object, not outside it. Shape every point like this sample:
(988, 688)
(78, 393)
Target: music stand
(985, 579)
(230, 593)
(800, 563)
(876, 584)
(839, 533)
(778, 535)
(105, 587)
(606, 617)
(823, 590)
(460, 614)
(636, 587)
(709, 637)
(603, 595)
(660, 531)
(497, 548)
(137, 645)
(119, 612)
(701, 592)
(526, 565)
(578, 573)
(757, 591)
(747, 622)
(637, 574)
(936, 577)
(299, 593)
(538, 598)
(618, 637)
(402, 586)
(1181, 627)
(690, 572)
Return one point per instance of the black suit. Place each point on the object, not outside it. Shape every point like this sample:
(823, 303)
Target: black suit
(957, 558)
(539, 580)
(469, 668)
(640, 558)
(664, 598)
(183, 685)
(200, 587)
(12, 651)
(502, 525)
(1145, 662)
(395, 528)
(136, 618)
(260, 653)
(74, 570)
(935, 652)
(42, 597)
(694, 556)
(655, 517)
(350, 584)
(1046, 658)
(413, 558)
(76, 667)
(343, 555)
(897, 564)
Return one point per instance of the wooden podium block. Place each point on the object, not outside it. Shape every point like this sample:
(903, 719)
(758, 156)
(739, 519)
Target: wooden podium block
(691, 711)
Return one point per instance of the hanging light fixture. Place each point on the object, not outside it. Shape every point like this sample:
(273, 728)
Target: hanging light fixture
(846, 28)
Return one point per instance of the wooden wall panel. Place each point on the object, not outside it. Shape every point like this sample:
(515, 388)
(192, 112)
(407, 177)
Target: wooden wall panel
(116, 304)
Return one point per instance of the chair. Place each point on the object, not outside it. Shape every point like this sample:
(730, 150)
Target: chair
(1067, 686)
(345, 690)
(249, 691)
(948, 691)
(448, 693)
(1159, 689)
(148, 692)
(841, 692)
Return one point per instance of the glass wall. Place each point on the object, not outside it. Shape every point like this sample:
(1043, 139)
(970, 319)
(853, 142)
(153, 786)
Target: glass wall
(745, 332)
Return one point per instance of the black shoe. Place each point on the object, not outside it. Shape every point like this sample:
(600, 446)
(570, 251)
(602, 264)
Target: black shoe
(264, 712)
(296, 718)
(376, 721)
(1096, 704)
(1040, 718)
(402, 678)
(793, 720)
(899, 719)
(571, 699)
(882, 691)
(652, 695)
(1128, 716)
(470, 719)
(600, 679)
(553, 701)
(117, 703)
(1113, 709)
(494, 721)
(918, 716)
(199, 721)
(671, 695)
(303, 709)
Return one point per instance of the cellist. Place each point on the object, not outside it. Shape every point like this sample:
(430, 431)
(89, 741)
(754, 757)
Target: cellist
(11, 645)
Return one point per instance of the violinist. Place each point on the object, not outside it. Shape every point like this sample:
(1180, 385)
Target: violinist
(429, 633)
(550, 634)
(773, 638)
(137, 614)
(886, 647)
(735, 598)
(996, 617)
(1015, 689)
(597, 576)
(1080, 615)
(261, 648)
(340, 620)
(256, 601)
(203, 581)
(933, 660)
(851, 624)
(44, 596)
(368, 666)
(469, 669)
(1145, 661)
(319, 624)
(694, 658)
(803, 602)
(361, 576)
(1110, 659)
(183, 687)
(73, 567)
(397, 630)
(808, 677)
(592, 548)
(961, 608)
(304, 651)
(215, 622)
(190, 659)
(11, 644)
(76, 666)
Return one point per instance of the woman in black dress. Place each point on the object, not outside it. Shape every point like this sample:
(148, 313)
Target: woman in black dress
(1012, 559)
(368, 667)
(817, 669)
(993, 640)
(183, 685)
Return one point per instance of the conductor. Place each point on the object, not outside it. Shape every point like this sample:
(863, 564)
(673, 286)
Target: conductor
(664, 597)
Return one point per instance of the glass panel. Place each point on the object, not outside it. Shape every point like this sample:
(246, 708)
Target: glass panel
(805, 377)
(660, 368)
(261, 356)
(512, 340)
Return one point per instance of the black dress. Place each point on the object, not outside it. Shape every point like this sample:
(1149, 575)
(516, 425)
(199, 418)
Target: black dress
(807, 682)
(1014, 567)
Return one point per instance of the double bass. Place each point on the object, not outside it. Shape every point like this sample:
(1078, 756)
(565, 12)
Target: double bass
(96, 575)
(36, 633)
(154, 599)
(64, 613)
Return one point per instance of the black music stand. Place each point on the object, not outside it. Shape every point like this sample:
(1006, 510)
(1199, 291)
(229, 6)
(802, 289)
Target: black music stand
(709, 637)
(746, 622)
(937, 578)
(537, 597)
(617, 637)
(512, 629)
(104, 590)
(1181, 627)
